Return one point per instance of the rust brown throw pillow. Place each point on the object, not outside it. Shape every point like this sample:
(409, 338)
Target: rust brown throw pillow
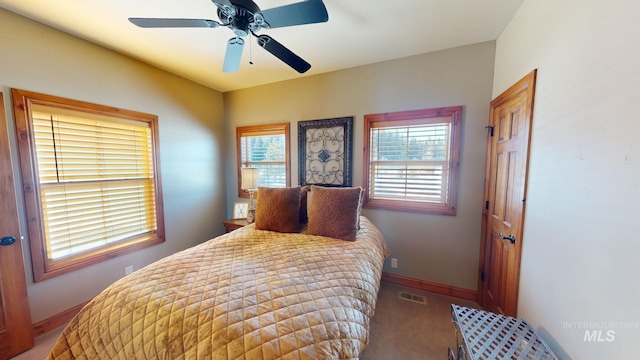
(334, 212)
(278, 209)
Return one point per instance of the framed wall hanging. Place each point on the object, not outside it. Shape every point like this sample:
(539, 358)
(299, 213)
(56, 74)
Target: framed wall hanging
(324, 152)
(240, 210)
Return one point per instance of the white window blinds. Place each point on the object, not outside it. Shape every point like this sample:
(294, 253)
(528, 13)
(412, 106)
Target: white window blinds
(267, 152)
(96, 179)
(410, 162)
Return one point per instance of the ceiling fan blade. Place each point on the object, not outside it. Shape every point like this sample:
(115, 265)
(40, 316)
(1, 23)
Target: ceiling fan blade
(306, 12)
(284, 54)
(173, 23)
(233, 55)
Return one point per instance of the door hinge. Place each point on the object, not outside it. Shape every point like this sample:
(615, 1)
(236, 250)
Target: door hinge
(486, 205)
(482, 276)
(490, 127)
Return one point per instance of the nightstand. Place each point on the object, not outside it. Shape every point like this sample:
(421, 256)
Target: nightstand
(233, 224)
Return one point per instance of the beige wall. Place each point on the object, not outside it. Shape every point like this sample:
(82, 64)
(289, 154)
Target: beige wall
(443, 249)
(582, 233)
(37, 58)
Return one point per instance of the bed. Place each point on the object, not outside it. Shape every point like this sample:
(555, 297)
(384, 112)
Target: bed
(248, 294)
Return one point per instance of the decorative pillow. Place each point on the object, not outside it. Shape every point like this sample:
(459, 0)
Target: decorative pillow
(278, 209)
(303, 204)
(334, 212)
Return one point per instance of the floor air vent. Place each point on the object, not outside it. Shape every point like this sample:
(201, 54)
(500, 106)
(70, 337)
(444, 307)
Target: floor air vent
(413, 298)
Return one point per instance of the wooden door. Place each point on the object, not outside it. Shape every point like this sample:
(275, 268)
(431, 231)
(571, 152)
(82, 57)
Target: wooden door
(505, 194)
(15, 319)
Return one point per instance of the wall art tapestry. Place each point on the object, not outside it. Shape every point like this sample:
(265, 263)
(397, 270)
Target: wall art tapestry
(324, 152)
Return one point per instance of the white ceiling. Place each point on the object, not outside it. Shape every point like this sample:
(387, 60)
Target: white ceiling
(358, 32)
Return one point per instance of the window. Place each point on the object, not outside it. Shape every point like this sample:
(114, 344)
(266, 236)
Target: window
(265, 147)
(411, 160)
(91, 180)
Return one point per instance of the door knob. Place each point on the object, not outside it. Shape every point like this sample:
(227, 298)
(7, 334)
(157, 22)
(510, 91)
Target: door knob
(511, 237)
(7, 240)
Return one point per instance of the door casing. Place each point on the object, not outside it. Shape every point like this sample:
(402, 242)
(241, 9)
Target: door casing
(522, 91)
(16, 334)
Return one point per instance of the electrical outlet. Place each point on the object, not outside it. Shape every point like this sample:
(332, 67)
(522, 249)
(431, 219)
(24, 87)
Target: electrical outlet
(394, 263)
(128, 269)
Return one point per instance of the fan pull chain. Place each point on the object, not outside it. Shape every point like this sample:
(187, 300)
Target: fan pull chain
(250, 52)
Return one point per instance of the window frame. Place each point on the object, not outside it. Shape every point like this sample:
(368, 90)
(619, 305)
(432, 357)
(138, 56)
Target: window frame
(413, 117)
(266, 129)
(44, 268)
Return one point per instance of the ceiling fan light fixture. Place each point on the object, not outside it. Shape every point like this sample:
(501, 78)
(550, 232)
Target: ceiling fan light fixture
(240, 25)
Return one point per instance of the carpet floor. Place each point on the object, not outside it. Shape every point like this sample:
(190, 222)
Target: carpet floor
(407, 330)
(400, 329)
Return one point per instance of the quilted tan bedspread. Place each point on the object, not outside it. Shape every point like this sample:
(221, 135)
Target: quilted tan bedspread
(249, 294)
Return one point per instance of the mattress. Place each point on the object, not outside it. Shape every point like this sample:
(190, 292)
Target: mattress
(248, 294)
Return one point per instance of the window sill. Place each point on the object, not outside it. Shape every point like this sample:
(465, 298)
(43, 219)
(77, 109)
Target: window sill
(407, 206)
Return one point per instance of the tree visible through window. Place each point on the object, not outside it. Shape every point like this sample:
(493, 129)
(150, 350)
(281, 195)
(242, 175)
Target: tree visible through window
(95, 177)
(411, 160)
(265, 147)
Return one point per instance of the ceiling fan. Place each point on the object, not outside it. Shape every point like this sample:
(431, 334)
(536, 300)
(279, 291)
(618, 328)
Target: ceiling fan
(244, 17)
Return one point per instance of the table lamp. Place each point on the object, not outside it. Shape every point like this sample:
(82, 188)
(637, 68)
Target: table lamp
(250, 178)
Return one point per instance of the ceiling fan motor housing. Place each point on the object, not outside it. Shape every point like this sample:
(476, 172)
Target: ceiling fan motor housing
(240, 17)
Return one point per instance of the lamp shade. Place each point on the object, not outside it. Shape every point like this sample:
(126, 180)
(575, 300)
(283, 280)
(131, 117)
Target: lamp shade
(250, 178)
